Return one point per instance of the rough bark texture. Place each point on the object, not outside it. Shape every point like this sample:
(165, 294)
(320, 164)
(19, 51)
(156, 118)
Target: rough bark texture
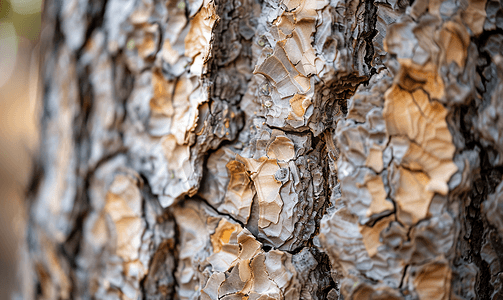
(276, 149)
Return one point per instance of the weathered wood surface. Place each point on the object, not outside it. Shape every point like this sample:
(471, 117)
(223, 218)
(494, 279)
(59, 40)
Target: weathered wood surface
(270, 150)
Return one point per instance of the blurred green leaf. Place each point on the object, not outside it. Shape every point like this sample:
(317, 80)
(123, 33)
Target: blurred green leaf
(5, 10)
(27, 25)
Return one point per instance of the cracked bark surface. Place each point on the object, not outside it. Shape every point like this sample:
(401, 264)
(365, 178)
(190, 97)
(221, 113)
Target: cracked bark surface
(276, 149)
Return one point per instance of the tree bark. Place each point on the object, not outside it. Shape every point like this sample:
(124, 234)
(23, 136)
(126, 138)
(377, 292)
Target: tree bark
(276, 149)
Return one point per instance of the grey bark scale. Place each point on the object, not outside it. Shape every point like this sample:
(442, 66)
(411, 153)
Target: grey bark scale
(165, 159)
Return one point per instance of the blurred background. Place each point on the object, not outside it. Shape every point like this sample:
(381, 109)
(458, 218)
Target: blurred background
(20, 103)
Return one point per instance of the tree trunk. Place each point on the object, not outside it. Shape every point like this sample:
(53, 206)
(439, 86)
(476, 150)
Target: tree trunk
(219, 149)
